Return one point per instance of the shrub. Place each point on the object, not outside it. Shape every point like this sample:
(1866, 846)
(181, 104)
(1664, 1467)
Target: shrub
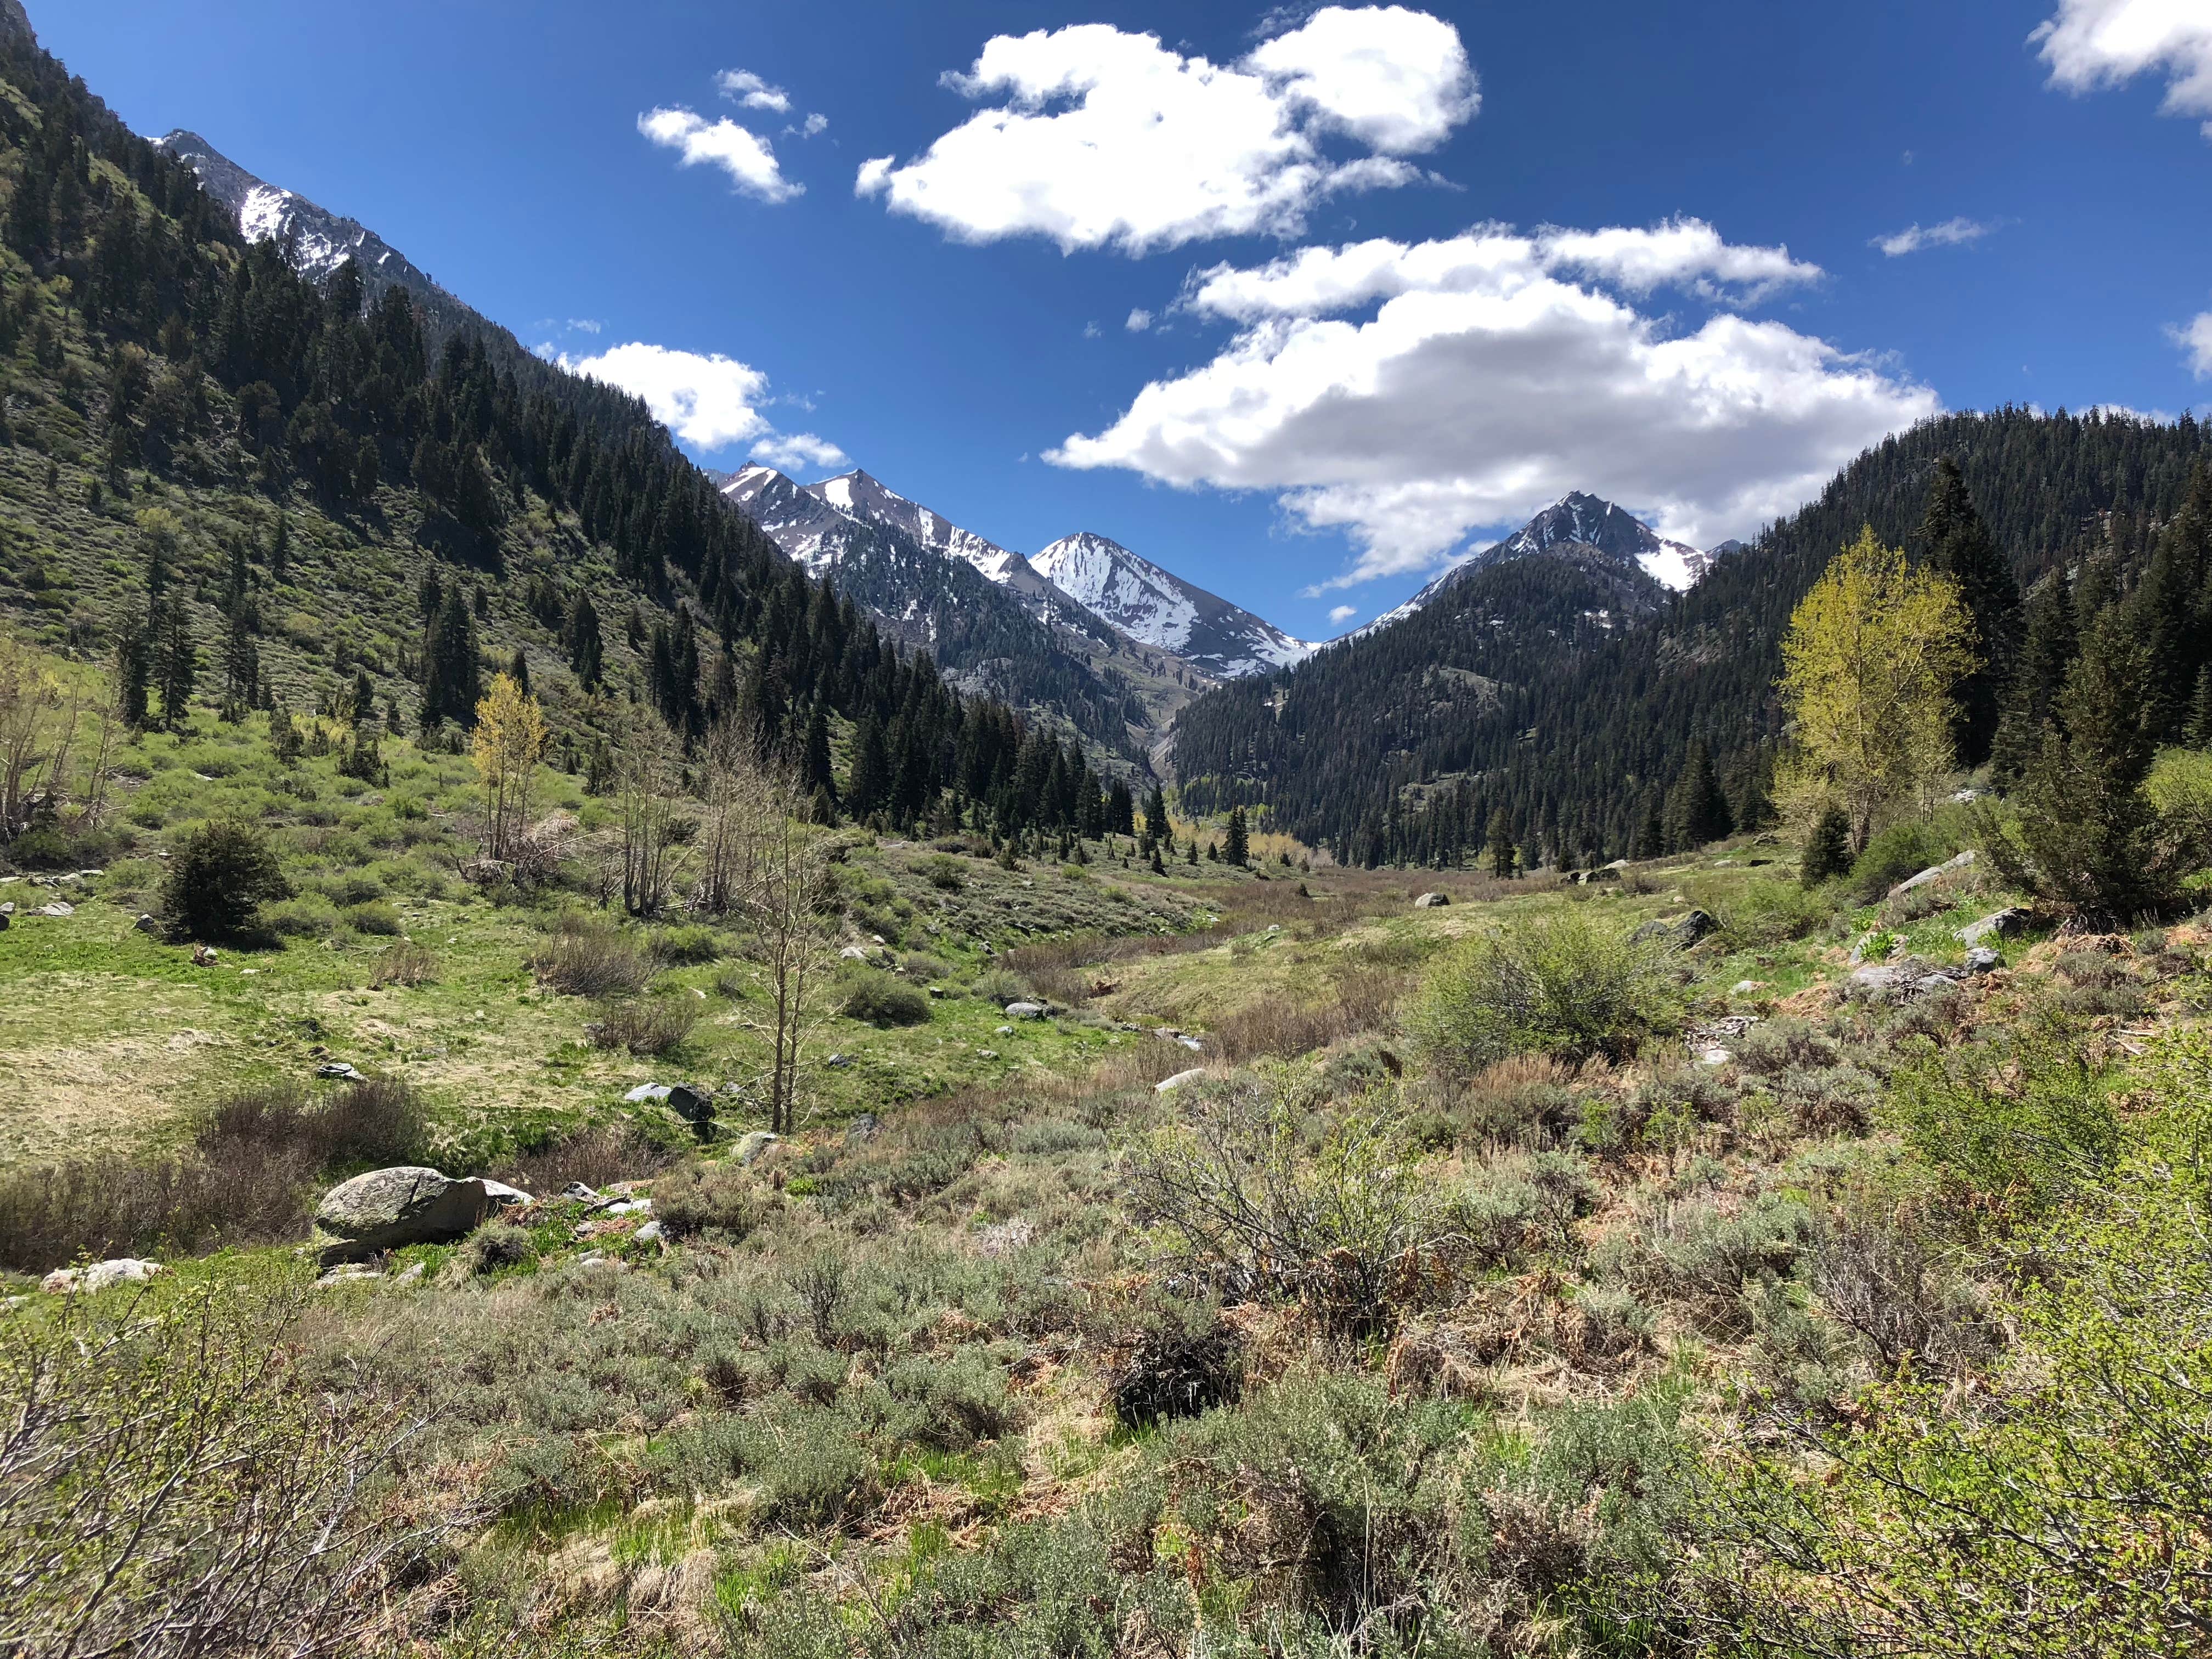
(219, 878)
(1904, 848)
(875, 998)
(406, 963)
(946, 874)
(1177, 1365)
(1768, 912)
(375, 918)
(645, 1026)
(593, 962)
(686, 947)
(1776, 1046)
(698, 1198)
(1562, 985)
(501, 1245)
(312, 916)
(2024, 1121)
(998, 985)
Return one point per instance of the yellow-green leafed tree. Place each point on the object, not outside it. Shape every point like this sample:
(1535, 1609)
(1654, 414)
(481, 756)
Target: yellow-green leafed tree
(509, 738)
(1873, 654)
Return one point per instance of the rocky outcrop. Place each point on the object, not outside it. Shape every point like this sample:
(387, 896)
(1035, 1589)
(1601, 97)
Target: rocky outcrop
(387, 1209)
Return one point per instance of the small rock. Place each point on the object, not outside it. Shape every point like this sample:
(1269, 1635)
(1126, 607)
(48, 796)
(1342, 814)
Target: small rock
(1681, 934)
(986, 1053)
(119, 1270)
(1744, 987)
(651, 1233)
(1179, 1080)
(577, 1190)
(1983, 959)
(1002, 1031)
(603, 1262)
(9, 908)
(693, 1104)
(862, 1129)
(340, 1070)
(837, 1062)
(6, 921)
(752, 1146)
(644, 1205)
(57, 909)
(939, 990)
(1193, 1044)
(1432, 901)
(2001, 924)
(853, 953)
(412, 1276)
(1933, 872)
(1714, 1057)
(646, 1091)
(203, 955)
(1025, 1011)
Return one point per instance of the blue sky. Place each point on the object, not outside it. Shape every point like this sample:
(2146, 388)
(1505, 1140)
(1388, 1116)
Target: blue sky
(1383, 327)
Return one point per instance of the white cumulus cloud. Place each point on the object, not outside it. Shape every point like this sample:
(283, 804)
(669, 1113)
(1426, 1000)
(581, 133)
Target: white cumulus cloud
(743, 154)
(1102, 138)
(747, 89)
(1139, 320)
(2092, 43)
(1952, 233)
(1497, 372)
(796, 451)
(706, 399)
(1341, 614)
(814, 126)
(2195, 337)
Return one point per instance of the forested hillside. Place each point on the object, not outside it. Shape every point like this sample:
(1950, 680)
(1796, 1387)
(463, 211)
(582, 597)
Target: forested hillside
(237, 485)
(1505, 697)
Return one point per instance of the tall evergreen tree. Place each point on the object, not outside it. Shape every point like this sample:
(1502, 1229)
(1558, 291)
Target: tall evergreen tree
(2047, 654)
(134, 671)
(814, 766)
(1697, 808)
(580, 637)
(1238, 849)
(518, 670)
(1121, 809)
(1956, 540)
(1156, 818)
(869, 787)
(177, 663)
(2175, 610)
(1498, 840)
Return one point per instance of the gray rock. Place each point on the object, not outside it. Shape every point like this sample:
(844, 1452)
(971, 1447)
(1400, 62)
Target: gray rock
(986, 1053)
(1025, 1011)
(8, 909)
(2000, 924)
(1983, 959)
(854, 953)
(1934, 872)
(119, 1270)
(57, 909)
(862, 1129)
(646, 1091)
(750, 1148)
(341, 1071)
(1002, 1031)
(837, 1062)
(1906, 980)
(1169, 1085)
(939, 990)
(6, 922)
(1681, 934)
(577, 1190)
(347, 1275)
(1431, 901)
(147, 924)
(632, 1206)
(1715, 1056)
(1193, 1044)
(651, 1233)
(693, 1104)
(406, 1204)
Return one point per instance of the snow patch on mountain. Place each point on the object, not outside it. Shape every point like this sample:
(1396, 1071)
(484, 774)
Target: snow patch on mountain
(1163, 611)
(860, 496)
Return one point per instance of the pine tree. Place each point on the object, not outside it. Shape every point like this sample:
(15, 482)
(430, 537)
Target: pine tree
(815, 772)
(1121, 810)
(1955, 541)
(2200, 711)
(1238, 851)
(870, 785)
(2046, 655)
(177, 664)
(134, 670)
(1697, 811)
(518, 669)
(2172, 618)
(362, 703)
(1156, 816)
(280, 548)
(580, 637)
(2087, 834)
(1827, 849)
(1498, 840)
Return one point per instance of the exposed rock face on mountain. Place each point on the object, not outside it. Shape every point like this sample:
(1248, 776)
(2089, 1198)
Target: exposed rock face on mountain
(321, 240)
(1162, 609)
(860, 496)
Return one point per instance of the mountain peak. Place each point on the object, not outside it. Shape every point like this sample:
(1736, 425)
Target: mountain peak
(1163, 611)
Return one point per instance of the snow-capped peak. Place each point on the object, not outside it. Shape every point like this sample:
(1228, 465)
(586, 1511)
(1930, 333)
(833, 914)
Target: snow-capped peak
(1162, 609)
(860, 496)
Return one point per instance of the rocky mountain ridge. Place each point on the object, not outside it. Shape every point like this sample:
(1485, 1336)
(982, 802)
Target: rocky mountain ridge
(1159, 607)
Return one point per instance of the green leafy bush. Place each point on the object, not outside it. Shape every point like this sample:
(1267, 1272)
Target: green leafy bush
(686, 947)
(1562, 985)
(698, 1197)
(875, 998)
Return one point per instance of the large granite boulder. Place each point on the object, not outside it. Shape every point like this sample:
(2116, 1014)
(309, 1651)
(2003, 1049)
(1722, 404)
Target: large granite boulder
(1934, 872)
(387, 1209)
